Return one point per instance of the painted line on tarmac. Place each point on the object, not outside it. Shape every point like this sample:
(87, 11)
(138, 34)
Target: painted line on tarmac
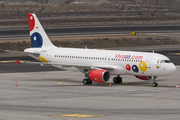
(30, 113)
(60, 83)
(12, 61)
(78, 115)
(9, 61)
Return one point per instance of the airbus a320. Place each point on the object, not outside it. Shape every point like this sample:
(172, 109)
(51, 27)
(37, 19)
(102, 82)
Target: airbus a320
(97, 65)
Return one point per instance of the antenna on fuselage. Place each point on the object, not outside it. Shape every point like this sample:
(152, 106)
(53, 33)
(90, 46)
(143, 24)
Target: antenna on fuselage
(153, 51)
(85, 47)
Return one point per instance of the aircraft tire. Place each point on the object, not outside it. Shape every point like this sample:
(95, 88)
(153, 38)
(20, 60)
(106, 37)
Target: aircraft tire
(154, 84)
(89, 82)
(85, 81)
(117, 80)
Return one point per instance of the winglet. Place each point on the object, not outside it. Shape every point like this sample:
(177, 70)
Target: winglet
(17, 61)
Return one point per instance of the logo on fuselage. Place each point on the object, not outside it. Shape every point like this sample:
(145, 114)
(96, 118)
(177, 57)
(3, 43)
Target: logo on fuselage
(133, 57)
(134, 68)
(42, 59)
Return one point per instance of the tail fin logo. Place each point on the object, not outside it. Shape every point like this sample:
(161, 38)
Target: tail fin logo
(31, 22)
(39, 38)
(36, 40)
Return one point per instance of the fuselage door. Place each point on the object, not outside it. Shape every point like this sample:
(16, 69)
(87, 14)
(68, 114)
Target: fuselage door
(148, 61)
(107, 59)
(45, 56)
(48, 56)
(159, 68)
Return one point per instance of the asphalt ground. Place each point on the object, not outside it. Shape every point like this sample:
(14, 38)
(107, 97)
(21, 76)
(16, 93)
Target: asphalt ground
(93, 31)
(8, 64)
(51, 95)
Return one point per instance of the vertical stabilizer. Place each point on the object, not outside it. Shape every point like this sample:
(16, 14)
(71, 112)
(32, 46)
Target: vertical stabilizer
(39, 38)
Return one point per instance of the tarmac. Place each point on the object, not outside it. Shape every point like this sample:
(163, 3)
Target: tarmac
(51, 95)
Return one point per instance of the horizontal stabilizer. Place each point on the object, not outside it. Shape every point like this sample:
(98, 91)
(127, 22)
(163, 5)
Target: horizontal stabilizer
(32, 50)
(35, 63)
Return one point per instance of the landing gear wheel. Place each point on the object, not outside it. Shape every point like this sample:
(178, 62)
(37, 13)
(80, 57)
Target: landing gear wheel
(155, 84)
(117, 80)
(87, 81)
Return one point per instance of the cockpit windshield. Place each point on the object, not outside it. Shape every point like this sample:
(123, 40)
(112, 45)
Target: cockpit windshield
(164, 61)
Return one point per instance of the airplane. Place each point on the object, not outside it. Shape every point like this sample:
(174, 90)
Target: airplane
(97, 65)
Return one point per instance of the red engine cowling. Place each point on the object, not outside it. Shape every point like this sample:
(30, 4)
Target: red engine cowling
(100, 76)
(144, 77)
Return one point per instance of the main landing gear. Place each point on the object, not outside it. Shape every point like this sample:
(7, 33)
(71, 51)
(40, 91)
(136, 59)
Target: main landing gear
(117, 79)
(154, 84)
(87, 81)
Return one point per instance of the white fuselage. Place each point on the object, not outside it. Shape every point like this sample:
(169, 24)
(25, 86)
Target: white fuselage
(118, 62)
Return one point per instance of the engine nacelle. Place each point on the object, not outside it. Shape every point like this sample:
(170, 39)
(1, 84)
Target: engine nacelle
(100, 76)
(144, 77)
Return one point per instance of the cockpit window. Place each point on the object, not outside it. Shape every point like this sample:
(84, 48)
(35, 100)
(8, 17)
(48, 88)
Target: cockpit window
(164, 61)
(167, 61)
(159, 61)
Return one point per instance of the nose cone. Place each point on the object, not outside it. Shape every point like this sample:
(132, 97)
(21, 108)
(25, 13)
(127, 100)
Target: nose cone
(171, 69)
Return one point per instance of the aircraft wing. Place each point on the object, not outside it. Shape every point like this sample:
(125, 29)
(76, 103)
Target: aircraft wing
(76, 66)
(86, 67)
(114, 69)
(97, 67)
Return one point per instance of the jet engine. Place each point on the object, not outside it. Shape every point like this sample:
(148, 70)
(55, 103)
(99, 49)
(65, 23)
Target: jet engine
(100, 76)
(144, 77)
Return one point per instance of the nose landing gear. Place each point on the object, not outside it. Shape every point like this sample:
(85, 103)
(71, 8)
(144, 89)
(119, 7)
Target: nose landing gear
(154, 84)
